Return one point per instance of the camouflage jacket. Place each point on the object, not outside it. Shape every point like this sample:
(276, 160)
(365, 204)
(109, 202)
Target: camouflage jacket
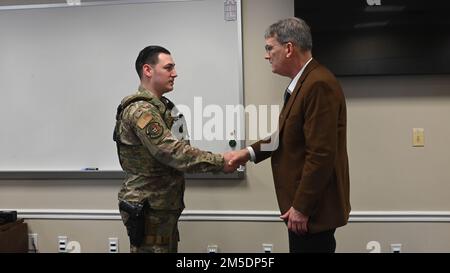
(154, 152)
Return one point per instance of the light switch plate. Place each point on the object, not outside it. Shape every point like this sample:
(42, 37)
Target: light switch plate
(418, 137)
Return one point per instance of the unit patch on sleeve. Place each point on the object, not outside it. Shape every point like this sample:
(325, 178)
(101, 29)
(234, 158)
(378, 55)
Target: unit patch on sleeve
(154, 130)
(144, 120)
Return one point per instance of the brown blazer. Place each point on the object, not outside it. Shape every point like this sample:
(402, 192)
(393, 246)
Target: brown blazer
(310, 164)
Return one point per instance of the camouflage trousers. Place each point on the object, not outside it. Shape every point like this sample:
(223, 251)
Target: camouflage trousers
(161, 232)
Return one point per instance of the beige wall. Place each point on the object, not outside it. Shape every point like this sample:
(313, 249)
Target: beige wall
(387, 174)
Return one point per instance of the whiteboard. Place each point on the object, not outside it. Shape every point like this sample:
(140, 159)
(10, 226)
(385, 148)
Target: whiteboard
(64, 69)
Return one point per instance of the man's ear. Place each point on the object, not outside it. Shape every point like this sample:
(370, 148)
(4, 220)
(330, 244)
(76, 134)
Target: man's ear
(147, 70)
(289, 49)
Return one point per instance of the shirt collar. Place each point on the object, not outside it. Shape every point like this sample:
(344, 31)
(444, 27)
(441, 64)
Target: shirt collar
(297, 77)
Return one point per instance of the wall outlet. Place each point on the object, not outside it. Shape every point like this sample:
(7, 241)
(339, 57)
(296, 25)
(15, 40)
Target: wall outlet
(267, 248)
(396, 248)
(62, 244)
(113, 245)
(212, 249)
(32, 242)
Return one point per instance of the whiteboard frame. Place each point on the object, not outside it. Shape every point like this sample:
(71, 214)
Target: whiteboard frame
(94, 3)
(113, 174)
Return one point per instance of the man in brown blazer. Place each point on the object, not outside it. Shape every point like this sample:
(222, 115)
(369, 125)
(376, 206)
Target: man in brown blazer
(309, 151)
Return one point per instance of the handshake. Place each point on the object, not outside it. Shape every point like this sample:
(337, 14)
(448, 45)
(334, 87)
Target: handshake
(234, 159)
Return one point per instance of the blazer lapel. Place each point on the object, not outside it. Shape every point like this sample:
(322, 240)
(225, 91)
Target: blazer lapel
(285, 112)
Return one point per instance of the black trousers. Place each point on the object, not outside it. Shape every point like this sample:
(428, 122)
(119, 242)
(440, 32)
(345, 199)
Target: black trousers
(322, 242)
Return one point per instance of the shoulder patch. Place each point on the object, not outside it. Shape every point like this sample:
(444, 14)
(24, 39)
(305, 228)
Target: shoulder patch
(144, 120)
(154, 129)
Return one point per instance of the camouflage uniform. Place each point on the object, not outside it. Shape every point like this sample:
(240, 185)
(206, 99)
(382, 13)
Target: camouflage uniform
(155, 154)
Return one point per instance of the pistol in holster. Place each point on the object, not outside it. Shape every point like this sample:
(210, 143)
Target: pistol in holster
(136, 221)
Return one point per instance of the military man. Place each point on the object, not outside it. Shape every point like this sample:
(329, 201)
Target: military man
(155, 153)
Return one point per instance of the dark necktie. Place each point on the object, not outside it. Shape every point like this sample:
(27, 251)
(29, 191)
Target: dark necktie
(286, 96)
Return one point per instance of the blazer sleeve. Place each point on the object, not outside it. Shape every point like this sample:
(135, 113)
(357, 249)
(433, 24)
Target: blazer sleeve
(263, 149)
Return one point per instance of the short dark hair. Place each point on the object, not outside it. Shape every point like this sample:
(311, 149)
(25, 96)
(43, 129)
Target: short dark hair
(149, 55)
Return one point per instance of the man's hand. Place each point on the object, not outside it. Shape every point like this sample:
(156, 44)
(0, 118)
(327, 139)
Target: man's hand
(234, 159)
(297, 221)
(239, 157)
(227, 166)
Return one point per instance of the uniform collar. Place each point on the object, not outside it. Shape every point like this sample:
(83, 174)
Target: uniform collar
(142, 91)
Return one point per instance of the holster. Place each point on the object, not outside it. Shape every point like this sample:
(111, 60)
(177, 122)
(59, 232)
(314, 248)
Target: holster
(136, 221)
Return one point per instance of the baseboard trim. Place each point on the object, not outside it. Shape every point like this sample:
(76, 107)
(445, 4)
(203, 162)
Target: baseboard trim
(235, 215)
